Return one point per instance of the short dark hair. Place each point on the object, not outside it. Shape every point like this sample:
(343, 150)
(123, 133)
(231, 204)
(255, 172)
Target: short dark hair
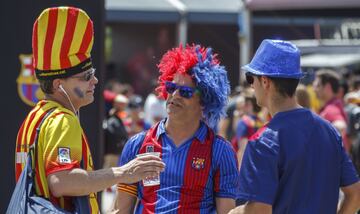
(285, 86)
(329, 76)
(46, 86)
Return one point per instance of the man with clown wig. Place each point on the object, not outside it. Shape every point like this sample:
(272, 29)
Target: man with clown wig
(201, 169)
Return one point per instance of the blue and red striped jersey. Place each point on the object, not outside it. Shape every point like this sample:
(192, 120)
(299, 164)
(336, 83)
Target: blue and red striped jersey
(197, 171)
(246, 127)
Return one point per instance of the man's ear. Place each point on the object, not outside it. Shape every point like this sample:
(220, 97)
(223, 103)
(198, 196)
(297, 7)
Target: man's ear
(56, 84)
(265, 81)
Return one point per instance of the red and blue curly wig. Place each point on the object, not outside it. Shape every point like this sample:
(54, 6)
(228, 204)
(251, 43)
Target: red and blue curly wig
(208, 75)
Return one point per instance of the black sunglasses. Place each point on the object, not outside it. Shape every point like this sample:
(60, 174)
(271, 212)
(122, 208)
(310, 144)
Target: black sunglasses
(250, 78)
(87, 76)
(184, 91)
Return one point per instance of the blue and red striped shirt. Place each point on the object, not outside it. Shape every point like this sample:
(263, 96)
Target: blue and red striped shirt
(197, 172)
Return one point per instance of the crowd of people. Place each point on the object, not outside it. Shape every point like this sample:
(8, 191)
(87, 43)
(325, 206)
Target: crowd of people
(329, 96)
(127, 114)
(276, 147)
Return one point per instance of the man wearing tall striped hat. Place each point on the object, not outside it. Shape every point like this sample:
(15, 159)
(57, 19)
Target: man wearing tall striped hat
(62, 41)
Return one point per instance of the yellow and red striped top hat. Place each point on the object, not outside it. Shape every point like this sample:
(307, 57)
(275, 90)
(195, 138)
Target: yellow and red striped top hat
(62, 41)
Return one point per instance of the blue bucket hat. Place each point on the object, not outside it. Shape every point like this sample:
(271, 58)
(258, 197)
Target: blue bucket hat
(275, 58)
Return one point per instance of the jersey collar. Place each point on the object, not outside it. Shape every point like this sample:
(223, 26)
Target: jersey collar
(200, 134)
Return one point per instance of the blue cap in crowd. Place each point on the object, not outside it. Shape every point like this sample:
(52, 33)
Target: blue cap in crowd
(275, 58)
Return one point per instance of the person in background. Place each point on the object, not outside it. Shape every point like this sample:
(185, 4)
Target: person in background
(226, 124)
(154, 109)
(247, 125)
(326, 86)
(315, 103)
(352, 108)
(302, 96)
(134, 122)
(115, 131)
(239, 111)
(112, 88)
(115, 138)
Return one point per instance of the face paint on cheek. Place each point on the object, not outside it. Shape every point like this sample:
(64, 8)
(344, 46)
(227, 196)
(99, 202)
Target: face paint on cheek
(78, 92)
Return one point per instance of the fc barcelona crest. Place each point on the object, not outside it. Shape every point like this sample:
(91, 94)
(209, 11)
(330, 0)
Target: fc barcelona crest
(150, 148)
(198, 163)
(27, 84)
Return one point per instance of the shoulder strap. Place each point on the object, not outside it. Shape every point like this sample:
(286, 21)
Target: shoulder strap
(33, 147)
(30, 164)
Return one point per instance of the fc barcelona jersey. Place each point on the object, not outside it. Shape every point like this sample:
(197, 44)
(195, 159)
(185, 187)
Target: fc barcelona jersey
(62, 145)
(199, 170)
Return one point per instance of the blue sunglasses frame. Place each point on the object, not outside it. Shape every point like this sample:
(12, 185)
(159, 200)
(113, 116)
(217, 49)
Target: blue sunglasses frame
(184, 91)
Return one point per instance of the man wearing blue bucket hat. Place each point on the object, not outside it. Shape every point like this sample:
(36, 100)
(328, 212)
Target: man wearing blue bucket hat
(296, 163)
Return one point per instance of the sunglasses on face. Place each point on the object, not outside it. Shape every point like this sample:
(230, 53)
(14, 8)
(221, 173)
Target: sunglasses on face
(87, 76)
(184, 91)
(250, 79)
